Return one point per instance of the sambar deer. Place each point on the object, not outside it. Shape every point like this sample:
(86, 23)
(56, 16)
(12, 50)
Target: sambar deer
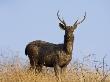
(47, 54)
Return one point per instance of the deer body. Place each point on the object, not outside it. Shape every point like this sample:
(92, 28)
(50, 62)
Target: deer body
(47, 54)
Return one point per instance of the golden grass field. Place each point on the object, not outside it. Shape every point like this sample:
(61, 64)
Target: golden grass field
(17, 72)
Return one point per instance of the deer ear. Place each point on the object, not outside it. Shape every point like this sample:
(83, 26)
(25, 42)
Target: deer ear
(62, 26)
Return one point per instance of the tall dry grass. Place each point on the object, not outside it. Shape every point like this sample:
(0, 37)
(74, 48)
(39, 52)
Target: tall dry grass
(13, 70)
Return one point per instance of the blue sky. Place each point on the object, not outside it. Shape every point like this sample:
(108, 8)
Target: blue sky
(22, 21)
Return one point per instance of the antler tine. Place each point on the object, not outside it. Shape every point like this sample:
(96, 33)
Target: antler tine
(81, 20)
(62, 21)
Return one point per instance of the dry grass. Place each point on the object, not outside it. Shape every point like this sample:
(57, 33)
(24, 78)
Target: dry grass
(13, 74)
(16, 72)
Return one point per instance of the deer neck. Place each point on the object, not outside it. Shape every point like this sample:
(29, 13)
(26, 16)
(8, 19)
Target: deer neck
(68, 43)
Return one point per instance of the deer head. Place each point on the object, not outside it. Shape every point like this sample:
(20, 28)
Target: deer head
(63, 25)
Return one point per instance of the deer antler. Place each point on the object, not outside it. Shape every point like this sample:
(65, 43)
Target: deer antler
(77, 23)
(62, 21)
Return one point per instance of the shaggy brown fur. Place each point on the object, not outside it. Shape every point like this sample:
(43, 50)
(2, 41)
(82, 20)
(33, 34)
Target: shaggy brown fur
(47, 54)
